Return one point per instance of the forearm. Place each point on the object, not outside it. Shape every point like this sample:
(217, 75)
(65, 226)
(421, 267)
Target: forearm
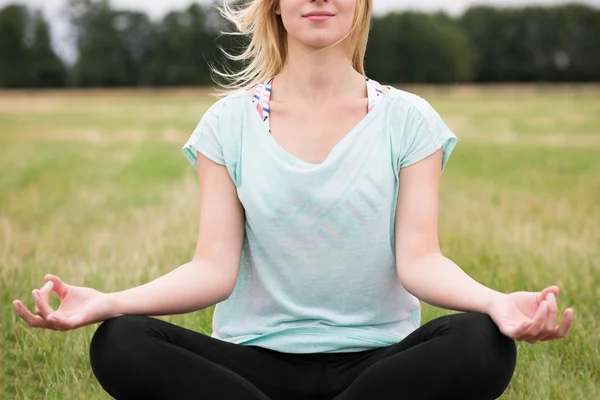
(437, 280)
(191, 287)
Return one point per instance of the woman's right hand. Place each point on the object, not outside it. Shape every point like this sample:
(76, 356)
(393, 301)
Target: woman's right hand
(79, 306)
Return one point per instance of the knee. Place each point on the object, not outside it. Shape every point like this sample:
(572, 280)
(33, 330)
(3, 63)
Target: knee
(114, 340)
(484, 337)
(492, 355)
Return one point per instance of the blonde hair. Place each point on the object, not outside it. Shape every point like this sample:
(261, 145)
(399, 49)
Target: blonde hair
(266, 53)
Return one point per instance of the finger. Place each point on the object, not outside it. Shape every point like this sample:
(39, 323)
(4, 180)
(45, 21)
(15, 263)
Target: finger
(550, 335)
(565, 325)
(550, 326)
(60, 287)
(46, 290)
(33, 321)
(44, 308)
(44, 294)
(64, 323)
(519, 333)
(539, 320)
(516, 332)
(550, 289)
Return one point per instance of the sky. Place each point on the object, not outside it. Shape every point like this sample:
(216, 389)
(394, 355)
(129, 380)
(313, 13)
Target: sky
(156, 8)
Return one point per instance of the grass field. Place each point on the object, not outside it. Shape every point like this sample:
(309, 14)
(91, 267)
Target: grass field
(94, 188)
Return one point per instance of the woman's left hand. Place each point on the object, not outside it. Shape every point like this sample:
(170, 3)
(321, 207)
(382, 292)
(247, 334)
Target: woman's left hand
(529, 316)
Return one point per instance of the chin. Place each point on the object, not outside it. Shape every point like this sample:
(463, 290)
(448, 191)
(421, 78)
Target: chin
(319, 40)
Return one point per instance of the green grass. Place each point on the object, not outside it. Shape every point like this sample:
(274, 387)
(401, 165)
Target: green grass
(94, 188)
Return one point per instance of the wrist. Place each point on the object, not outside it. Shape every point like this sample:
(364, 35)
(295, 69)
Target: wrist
(114, 304)
(493, 298)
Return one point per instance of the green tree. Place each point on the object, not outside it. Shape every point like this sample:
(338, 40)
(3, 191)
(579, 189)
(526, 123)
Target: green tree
(534, 43)
(14, 53)
(418, 47)
(576, 53)
(184, 46)
(136, 36)
(126, 48)
(102, 54)
(47, 69)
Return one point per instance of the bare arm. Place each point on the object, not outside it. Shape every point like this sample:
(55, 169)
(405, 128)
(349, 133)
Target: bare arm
(422, 269)
(210, 276)
(206, 280)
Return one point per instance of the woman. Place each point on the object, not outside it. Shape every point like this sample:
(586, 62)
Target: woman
(326, 183)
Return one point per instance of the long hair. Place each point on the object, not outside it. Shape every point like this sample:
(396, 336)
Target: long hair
(266, 53)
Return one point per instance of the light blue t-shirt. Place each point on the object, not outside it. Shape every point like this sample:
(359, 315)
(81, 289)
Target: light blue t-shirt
(318, 269)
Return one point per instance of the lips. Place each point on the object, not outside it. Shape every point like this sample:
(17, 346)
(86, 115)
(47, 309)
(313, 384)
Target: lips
(321, 14)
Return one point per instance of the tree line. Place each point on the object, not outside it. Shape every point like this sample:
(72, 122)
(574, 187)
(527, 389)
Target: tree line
(126, 48)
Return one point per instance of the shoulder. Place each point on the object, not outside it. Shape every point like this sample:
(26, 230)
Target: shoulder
(413, 112)
(405, 104)
(224, 106)
(221, 117)
(418, 129)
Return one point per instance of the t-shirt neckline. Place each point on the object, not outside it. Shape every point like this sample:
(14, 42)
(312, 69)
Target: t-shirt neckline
(261, 109)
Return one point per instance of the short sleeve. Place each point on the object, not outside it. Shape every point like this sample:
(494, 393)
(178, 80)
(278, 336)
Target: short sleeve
(423, 133)
(205, 139)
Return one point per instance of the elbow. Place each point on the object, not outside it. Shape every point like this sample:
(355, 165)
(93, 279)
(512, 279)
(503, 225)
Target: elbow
(229, 278)
(220, 278)
(404, 265)
(226, 293)
(403, 272)
(226, 285)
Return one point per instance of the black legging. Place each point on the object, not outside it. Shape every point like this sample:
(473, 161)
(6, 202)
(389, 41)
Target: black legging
(462, 356)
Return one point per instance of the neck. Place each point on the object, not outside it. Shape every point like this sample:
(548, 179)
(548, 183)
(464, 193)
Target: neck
(314, 76)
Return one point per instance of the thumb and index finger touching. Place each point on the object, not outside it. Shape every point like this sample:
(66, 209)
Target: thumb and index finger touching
(541, 296)
(42, 297)
(57, 284)
(52, 283)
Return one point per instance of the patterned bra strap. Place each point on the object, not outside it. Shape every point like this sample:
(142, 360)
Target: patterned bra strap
(261, 98)
(375, 92)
